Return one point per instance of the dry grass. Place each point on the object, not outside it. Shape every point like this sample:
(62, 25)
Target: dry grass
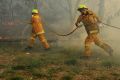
(56, 64)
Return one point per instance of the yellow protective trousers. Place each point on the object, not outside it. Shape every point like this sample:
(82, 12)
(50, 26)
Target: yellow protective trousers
(96, 39)
(41, 38)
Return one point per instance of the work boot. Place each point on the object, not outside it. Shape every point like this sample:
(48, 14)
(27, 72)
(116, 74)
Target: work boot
(111, 52)
(28, 48)
(47, 49)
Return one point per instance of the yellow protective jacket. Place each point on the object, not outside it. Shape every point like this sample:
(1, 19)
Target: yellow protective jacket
(37, 25)
(90, 22)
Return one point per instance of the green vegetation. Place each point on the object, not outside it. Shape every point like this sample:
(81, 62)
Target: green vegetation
(56, 64)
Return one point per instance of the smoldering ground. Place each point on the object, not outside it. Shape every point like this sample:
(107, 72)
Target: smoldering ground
(65, 59)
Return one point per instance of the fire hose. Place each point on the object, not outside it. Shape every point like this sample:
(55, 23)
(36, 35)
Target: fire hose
(110, 25)
(79, 27)
(75, 29)
(36, 6)
(67, 33)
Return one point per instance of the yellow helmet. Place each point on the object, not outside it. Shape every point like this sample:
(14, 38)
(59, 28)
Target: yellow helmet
(81, 6)
(35, 11)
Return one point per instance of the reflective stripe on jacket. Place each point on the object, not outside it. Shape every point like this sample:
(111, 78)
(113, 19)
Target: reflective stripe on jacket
(90, 22)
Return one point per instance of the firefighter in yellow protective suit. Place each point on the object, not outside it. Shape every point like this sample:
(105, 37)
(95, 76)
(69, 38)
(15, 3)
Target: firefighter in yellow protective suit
(90, 21)
(37, 30)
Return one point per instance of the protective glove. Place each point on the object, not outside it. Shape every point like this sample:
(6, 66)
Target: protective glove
(76, 24)
(100, 24)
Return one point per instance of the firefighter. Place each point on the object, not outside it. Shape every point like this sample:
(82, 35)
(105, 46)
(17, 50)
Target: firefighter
(37, 30)
(91, 23)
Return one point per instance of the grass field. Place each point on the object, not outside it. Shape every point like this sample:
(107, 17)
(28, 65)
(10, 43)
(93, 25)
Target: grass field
(59, 63)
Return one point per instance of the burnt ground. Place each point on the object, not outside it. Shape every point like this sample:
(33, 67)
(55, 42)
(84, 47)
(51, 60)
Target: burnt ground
(58, 63)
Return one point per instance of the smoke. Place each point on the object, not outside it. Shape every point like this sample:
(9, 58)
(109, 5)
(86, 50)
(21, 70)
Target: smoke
(60, 16)
(112, 16)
